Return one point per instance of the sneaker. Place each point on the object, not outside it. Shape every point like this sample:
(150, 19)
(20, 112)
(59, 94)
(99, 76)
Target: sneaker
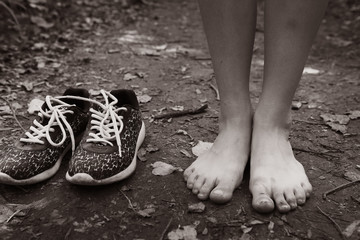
(38, 154)
(108, 151)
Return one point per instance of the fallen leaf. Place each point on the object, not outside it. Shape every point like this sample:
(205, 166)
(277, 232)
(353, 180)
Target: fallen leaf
(246, 229)
(141, 154)
(354, 114)
(28, 85)
(5, 110)
(296, 105)
(146, 212)
(178, 108)
(212, 220)
(271, 226)
(186, 153)
(41, 22)
(111, 51)
(34, 105)
(337, 127)
(162, 169)
(335, 118)
(351, 176)
(183, 233)
(201, 147)
(144, 98)
(256, 222)
(150, 148)
(129, 76)
(196, 207)
(351, 228)
(309, 70)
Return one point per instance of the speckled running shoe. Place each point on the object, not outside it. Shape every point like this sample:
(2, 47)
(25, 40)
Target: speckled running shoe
(108, 150)
(38, 154)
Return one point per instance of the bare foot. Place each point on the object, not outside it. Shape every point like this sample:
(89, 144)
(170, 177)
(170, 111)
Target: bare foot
(276, 177)
(219, 171)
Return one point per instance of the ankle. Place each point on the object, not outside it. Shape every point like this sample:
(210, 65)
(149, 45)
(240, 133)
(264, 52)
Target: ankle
(269, 118)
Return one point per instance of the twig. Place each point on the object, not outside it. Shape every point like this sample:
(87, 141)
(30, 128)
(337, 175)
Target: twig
(13, 215)
(313, 152)
(182, 113)
(10, 11)
(356, 200)
(68, 234)
(216, 91)
(128, 199)
(13, 112)
(340, 188)
(333, 221)
(166, 228)
(307, 122)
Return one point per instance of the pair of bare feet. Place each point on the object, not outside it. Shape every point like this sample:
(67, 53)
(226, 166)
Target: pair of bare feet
(277, 179)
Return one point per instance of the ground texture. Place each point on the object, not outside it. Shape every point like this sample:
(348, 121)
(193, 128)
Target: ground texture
(158, 48)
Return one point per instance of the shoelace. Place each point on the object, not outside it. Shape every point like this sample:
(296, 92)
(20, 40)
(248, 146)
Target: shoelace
(56, 115)
(106, 124)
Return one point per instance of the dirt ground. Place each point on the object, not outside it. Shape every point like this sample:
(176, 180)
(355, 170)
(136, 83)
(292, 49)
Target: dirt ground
(158, 48)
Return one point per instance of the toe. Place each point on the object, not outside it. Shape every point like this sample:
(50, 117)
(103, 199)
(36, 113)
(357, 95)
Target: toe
(198, 184)
(300, 195)
(191, 180)
(188, 172)
(290, 198)
(206, 188)
(261, 201)
(280, 202)
(307, 188)
(221, 194)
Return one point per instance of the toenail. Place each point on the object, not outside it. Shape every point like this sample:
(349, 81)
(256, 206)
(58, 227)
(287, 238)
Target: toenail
(218, 192)
(301, 201)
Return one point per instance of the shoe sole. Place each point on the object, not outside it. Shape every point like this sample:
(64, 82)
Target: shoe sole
(86, 179)
(6, 179)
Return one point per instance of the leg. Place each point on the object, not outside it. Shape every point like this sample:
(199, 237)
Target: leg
(276, 176)
(230, 29)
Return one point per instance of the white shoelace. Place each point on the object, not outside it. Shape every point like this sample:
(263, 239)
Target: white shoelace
(106, 124)
(56, 118)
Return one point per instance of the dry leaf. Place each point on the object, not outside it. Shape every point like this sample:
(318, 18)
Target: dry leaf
(296, 105)
(41, 22)
(351, 176)
(196, 207)
(201, 147)
(186, 153)
(256, 222)
(144, 98)
(351, 228)
(178, 108)
(354, 114)
(162, 169)
(335, 118)
(34, 105)
(141, 154)
(337, 127)
(129, 76)
(183, 233)
(309, 70)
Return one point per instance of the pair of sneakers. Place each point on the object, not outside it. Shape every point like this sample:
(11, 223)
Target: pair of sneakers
(104, 136)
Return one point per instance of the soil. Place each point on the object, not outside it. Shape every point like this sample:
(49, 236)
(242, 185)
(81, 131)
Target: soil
(158, 49)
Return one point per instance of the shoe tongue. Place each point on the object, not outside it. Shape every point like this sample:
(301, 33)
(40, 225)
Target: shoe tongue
(126, 97)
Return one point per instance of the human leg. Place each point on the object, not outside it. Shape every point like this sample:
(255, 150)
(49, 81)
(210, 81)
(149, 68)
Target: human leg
(230, 28)
(276, 176)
